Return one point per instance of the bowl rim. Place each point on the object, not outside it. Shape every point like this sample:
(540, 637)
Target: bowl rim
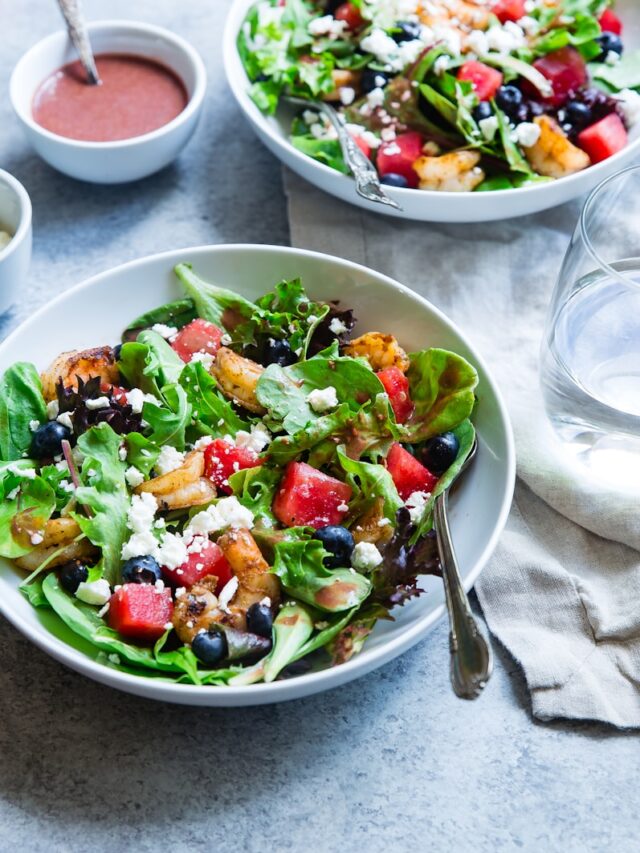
(191, 108)
(314, 681)
(234, 21)
(24, 225)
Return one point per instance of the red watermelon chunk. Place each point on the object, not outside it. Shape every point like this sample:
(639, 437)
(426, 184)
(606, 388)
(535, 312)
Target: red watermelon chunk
(140, 611)
(198, 336)
(307, 497)
(208, 560)
(407, 473)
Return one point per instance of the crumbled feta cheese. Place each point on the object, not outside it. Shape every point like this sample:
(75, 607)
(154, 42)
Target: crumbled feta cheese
(507, 38)
(27, 473)
(450, 37)
(527, 134)
(488, 127)
(612, 58)
(169, 459)
(135, 398)
(387, 134)
(36, 538)
(337, 326)
(122, 452)
(416, 503)
(384, 522)
(328, 26)
(347, 95)
(33, 425)
(529, 25)
(233, 514)
(366, 135)
(203, 442)
(309, 117)
(477, 42)
(53, 408)
(133, 476)
(65, 420)
(142, 512)
(256, 440)
(441, 64)
(379, 44)
(322, 399)
(165, 331)
(375, 98)
(98, 403)
(227, 593)
(205, 359)
(172, 552)
(365, 556)
(630, 103)
(94, 592)
(66, 486)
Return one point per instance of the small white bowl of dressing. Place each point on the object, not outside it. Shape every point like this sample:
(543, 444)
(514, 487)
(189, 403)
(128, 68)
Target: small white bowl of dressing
(132, 125)
(15, 239)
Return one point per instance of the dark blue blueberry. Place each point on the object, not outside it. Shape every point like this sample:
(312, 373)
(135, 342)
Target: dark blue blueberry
(610, 43)
(371, 80)
(406, 31)
(482, 111)
(339, 542)
(47, 440)
(509, 99)
(210, 647)
(277, 352)
(142, 569)
(117, 351)
(393, 180)
(578, 115)
(72, 574)
(260, 620)
(440, 452)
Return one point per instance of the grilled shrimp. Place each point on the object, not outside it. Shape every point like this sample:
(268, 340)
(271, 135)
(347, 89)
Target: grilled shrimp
(461, 11)
(58, 533)
(196, 609)
(457, 171)
(554, 155)
(255, 582)
(100, 361)
(237, 377)
(380, 351)
(182, 488)
(373, 526)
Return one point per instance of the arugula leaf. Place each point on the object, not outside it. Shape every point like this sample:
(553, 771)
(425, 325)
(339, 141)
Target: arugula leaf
(299, 565)
(162, 362)
(623, 75)
(21, 402)
(25, 514)
(369, 482)
(134, 365)
(34, 594)
(212, 413)
(178, 314)
(169, 422)
(442, 388)
(54, 476)
(255, 488)
(105, 495)
(297, 17)
(283, 390)
(141, 452)
(515, 158)
(215, 304)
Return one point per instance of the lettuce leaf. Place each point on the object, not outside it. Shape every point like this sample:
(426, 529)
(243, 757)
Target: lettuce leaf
(255, 488)
(369, 482)
(25, 514)
(21, 402)
(623, 75)
(177, 313)
(212, 413)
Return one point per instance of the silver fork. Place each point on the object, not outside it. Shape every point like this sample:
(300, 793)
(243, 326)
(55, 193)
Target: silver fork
(471, 658)
(364, 172)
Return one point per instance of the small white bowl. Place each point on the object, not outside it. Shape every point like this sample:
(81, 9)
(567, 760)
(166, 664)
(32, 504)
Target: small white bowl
(15, 218)
(124, 159)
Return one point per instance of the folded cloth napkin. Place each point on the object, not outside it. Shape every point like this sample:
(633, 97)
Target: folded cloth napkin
(562, 591)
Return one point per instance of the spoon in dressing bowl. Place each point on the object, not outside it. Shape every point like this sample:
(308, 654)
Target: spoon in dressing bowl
(77, 29)
(471, 658)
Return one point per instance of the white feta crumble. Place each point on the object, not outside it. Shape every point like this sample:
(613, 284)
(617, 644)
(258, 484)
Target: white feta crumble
(527, 134)
(379, 44)
(98, 403)
(142, 512)
(529, 25)
(169, 459)
(450, 37)
(233, 514)
(33, 425)
(488, 127)
(53, 408)
(506, 38)
(226, 594)
(328, 26)
(67, 486)
(365, 556)
(18, 471)
(203, 442)
(135, 398)
(225, 340)
(256, 440)
(477, 42)
(337, 326)
(347, 95)
(612, 58)
(309, 117)
(416, 503)
(122, 452)
(65, 420)
(133, 476)
(164, 331)
(441, 65)
(94, 592)
(630, 103)
(375, 98)
(322, 399)
(172, 551)
(205, 359)
(387, 134)
(36, 538)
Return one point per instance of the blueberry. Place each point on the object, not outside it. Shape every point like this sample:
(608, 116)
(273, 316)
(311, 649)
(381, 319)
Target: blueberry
(47, 440)
(406, 31)
(391, 179)
(210, 647)
(339, 542)
(610, 43)
(371, 80)
(482, 111)
(117, 350)
(278, 352)
(142, 569)
(72, 574)
(578, 115)
(440, 452)
(260, 620)
(509, 98)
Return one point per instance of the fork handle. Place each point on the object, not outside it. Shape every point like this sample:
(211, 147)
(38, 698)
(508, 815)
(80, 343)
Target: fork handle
(471, 661)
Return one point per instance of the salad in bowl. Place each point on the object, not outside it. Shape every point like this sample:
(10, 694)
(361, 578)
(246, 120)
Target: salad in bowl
(238, 490)
(449, 95)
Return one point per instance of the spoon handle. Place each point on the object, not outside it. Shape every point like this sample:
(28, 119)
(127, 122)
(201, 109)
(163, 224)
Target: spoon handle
(72, 14)
(471, 658)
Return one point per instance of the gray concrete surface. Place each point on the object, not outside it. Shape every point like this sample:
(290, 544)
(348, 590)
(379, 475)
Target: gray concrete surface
(390, 763)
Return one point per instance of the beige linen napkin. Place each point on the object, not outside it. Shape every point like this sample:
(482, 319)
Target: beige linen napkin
(562, 592)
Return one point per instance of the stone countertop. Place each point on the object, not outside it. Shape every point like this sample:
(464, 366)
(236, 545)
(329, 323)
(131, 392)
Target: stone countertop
(392, 762)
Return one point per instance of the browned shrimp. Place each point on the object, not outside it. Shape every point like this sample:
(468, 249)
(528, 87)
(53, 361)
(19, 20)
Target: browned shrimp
(182, 488)
(255, 582)
(68, 366)
(58, 533)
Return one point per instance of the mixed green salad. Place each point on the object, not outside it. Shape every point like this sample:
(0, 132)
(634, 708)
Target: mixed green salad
(236, 492)
(450, 95)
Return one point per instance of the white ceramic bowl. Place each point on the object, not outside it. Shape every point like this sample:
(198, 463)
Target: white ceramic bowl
(125, 159)
(15, 218)
(102, 307)
(422, 205)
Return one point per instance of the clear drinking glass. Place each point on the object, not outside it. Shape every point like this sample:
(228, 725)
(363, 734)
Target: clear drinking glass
(590, 359)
